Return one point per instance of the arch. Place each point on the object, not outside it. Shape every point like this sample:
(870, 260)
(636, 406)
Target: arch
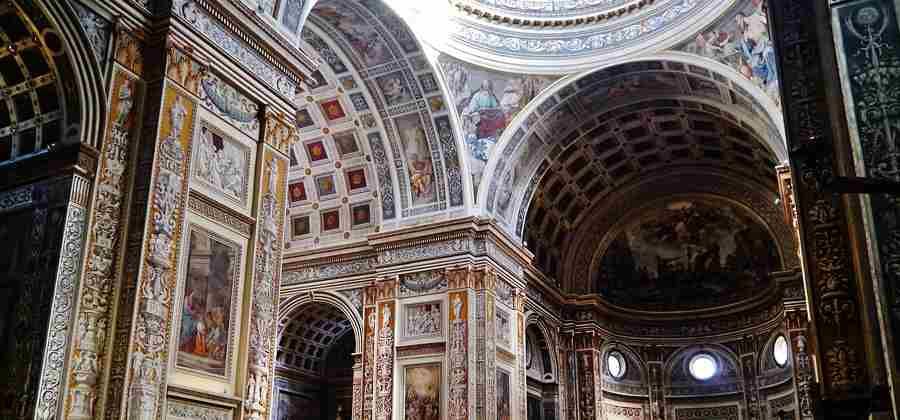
(631, 355)
(88, 72)
(679, 359)
(766, 361)
(533, 319)
(745, 100)
(291, 305)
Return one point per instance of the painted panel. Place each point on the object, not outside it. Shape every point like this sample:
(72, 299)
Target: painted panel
(208, 308)
(418, 158)
(423, 391)
(503, 396)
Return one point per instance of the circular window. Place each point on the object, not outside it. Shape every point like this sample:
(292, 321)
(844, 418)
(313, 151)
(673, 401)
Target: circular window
(780, 351)
(703, 366)
(615, 364)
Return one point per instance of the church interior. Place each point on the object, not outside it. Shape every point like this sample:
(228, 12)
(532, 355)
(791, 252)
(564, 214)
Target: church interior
(449, 209)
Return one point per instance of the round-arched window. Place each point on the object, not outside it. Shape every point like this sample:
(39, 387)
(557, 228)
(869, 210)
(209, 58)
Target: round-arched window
(703, 366)
(615, 364)
(780, 351)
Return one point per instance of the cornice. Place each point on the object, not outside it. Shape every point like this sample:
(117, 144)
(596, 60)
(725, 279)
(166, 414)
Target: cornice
(493, 15)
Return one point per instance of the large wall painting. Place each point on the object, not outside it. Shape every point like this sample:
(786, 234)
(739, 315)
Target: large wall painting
(687, 252)
(207, 307)
(487, 101)
(222, 163)
(741, 40)
(423, 392)
(362, 35)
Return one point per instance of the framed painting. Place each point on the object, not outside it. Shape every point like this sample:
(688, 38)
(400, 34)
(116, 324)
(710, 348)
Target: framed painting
(291, 405)
(208, 315)
(422, 391)
(504, 328)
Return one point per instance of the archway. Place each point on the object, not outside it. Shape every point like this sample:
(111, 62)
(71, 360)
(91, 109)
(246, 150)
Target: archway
(314, 364)
(542, 385)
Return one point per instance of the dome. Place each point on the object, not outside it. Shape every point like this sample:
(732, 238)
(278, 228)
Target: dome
(559, 36)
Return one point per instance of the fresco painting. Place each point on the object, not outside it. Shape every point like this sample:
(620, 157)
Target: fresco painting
(487, 101)
(503, 398)
(418, 158)
(359, 32)
(203, 342)
(742, 41)
(687, 253)
(423, 392)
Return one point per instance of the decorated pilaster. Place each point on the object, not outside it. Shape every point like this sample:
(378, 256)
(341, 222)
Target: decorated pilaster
(370, 317)
(837, 287)
(588, 365)
(748, 349)
(567, 358)
(386, 306)
(485, 350)
(139, 366)
(796, 325)
(104, 248)
(458, 347)
(655, 358)
(272, 167)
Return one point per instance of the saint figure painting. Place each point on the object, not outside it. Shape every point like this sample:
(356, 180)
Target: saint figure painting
(423, 392)
(206, 314)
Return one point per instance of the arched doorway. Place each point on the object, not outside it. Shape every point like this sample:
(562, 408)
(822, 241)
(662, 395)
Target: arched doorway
(542, 385)
(314, 365)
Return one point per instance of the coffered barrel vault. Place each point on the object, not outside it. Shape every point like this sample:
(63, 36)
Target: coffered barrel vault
(449, 209)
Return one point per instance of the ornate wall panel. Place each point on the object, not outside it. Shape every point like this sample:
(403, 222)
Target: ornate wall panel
(384, 385)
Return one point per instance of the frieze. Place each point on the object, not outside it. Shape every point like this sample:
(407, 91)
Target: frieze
(503, 41)
(20, 197)
(624, 389)
(708, 413)
(423, 282)
(619, 412)
(421, 350)
(197, 14)
(182, 410)
(504, 292)
(206, 208)
(424, 251)
(329, 270)
(227, 102)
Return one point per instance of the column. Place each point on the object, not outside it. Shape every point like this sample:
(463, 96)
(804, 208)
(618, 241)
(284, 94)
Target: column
(82, 390)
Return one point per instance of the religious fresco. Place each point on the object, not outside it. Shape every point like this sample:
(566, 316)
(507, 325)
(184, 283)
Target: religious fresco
(741, 40)
(486, 101)
(203, 342)
(292, 10)
(503, 397)
(418, 157)
(503, 328)
(423, 392)
(687, 253)
(361, 34)
(222, 163)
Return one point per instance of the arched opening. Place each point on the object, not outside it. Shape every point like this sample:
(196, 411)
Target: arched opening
(314, 364)
(542, 385)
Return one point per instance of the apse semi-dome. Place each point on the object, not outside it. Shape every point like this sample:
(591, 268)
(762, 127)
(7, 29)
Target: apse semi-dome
(560, 36)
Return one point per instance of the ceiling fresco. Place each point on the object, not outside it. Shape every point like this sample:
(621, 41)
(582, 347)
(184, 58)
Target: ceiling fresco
(486, 101)
(687, 252)
(740, 39)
